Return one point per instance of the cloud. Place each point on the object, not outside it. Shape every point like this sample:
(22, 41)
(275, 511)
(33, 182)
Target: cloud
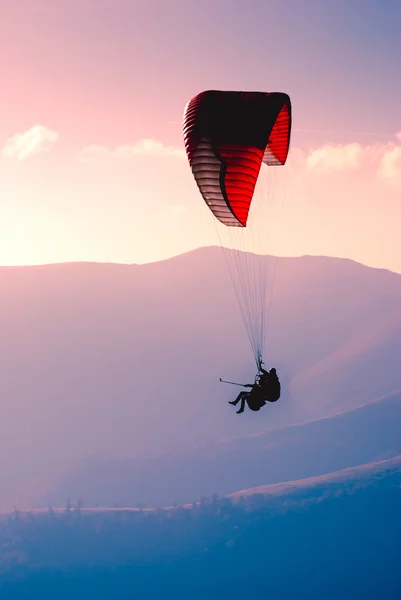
(382, 159)
(336, 158)
(144, 147)
(390, 166)
(23, 145)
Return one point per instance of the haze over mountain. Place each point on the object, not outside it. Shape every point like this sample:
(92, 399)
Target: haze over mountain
(365, 434)
(107, 361)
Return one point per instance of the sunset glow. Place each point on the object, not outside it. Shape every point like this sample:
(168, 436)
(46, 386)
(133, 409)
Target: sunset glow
(92, 164)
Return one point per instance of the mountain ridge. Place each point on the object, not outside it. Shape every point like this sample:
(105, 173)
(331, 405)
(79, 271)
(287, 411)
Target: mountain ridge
(124, 360)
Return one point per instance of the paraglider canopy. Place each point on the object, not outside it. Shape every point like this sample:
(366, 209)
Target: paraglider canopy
(227, 137)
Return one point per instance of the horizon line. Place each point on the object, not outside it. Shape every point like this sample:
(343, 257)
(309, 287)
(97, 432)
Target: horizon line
(199, 248)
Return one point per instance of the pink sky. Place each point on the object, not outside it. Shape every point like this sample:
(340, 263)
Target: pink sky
(92, 164)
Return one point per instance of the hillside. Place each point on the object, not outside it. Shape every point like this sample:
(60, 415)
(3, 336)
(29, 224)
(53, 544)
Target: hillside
(106, 361)
(346, 481)
(365, 434)
(332, 536)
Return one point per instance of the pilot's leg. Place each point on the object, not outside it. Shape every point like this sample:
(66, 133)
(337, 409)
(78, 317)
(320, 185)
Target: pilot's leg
(238, 398)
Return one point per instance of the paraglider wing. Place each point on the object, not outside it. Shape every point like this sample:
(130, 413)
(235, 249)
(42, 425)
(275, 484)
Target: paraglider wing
(227, 137)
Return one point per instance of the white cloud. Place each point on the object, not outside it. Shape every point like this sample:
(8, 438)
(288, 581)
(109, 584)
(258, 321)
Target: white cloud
(336, 158)
(390, 166)
(382, 159)
(35, 140)
(144, 147)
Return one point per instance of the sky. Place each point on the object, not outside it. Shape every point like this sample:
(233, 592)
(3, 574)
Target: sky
(92, 161)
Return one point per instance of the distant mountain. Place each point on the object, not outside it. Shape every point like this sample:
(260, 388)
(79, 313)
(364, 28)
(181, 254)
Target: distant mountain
(364, 434)
(123, 361)
(335, 536)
